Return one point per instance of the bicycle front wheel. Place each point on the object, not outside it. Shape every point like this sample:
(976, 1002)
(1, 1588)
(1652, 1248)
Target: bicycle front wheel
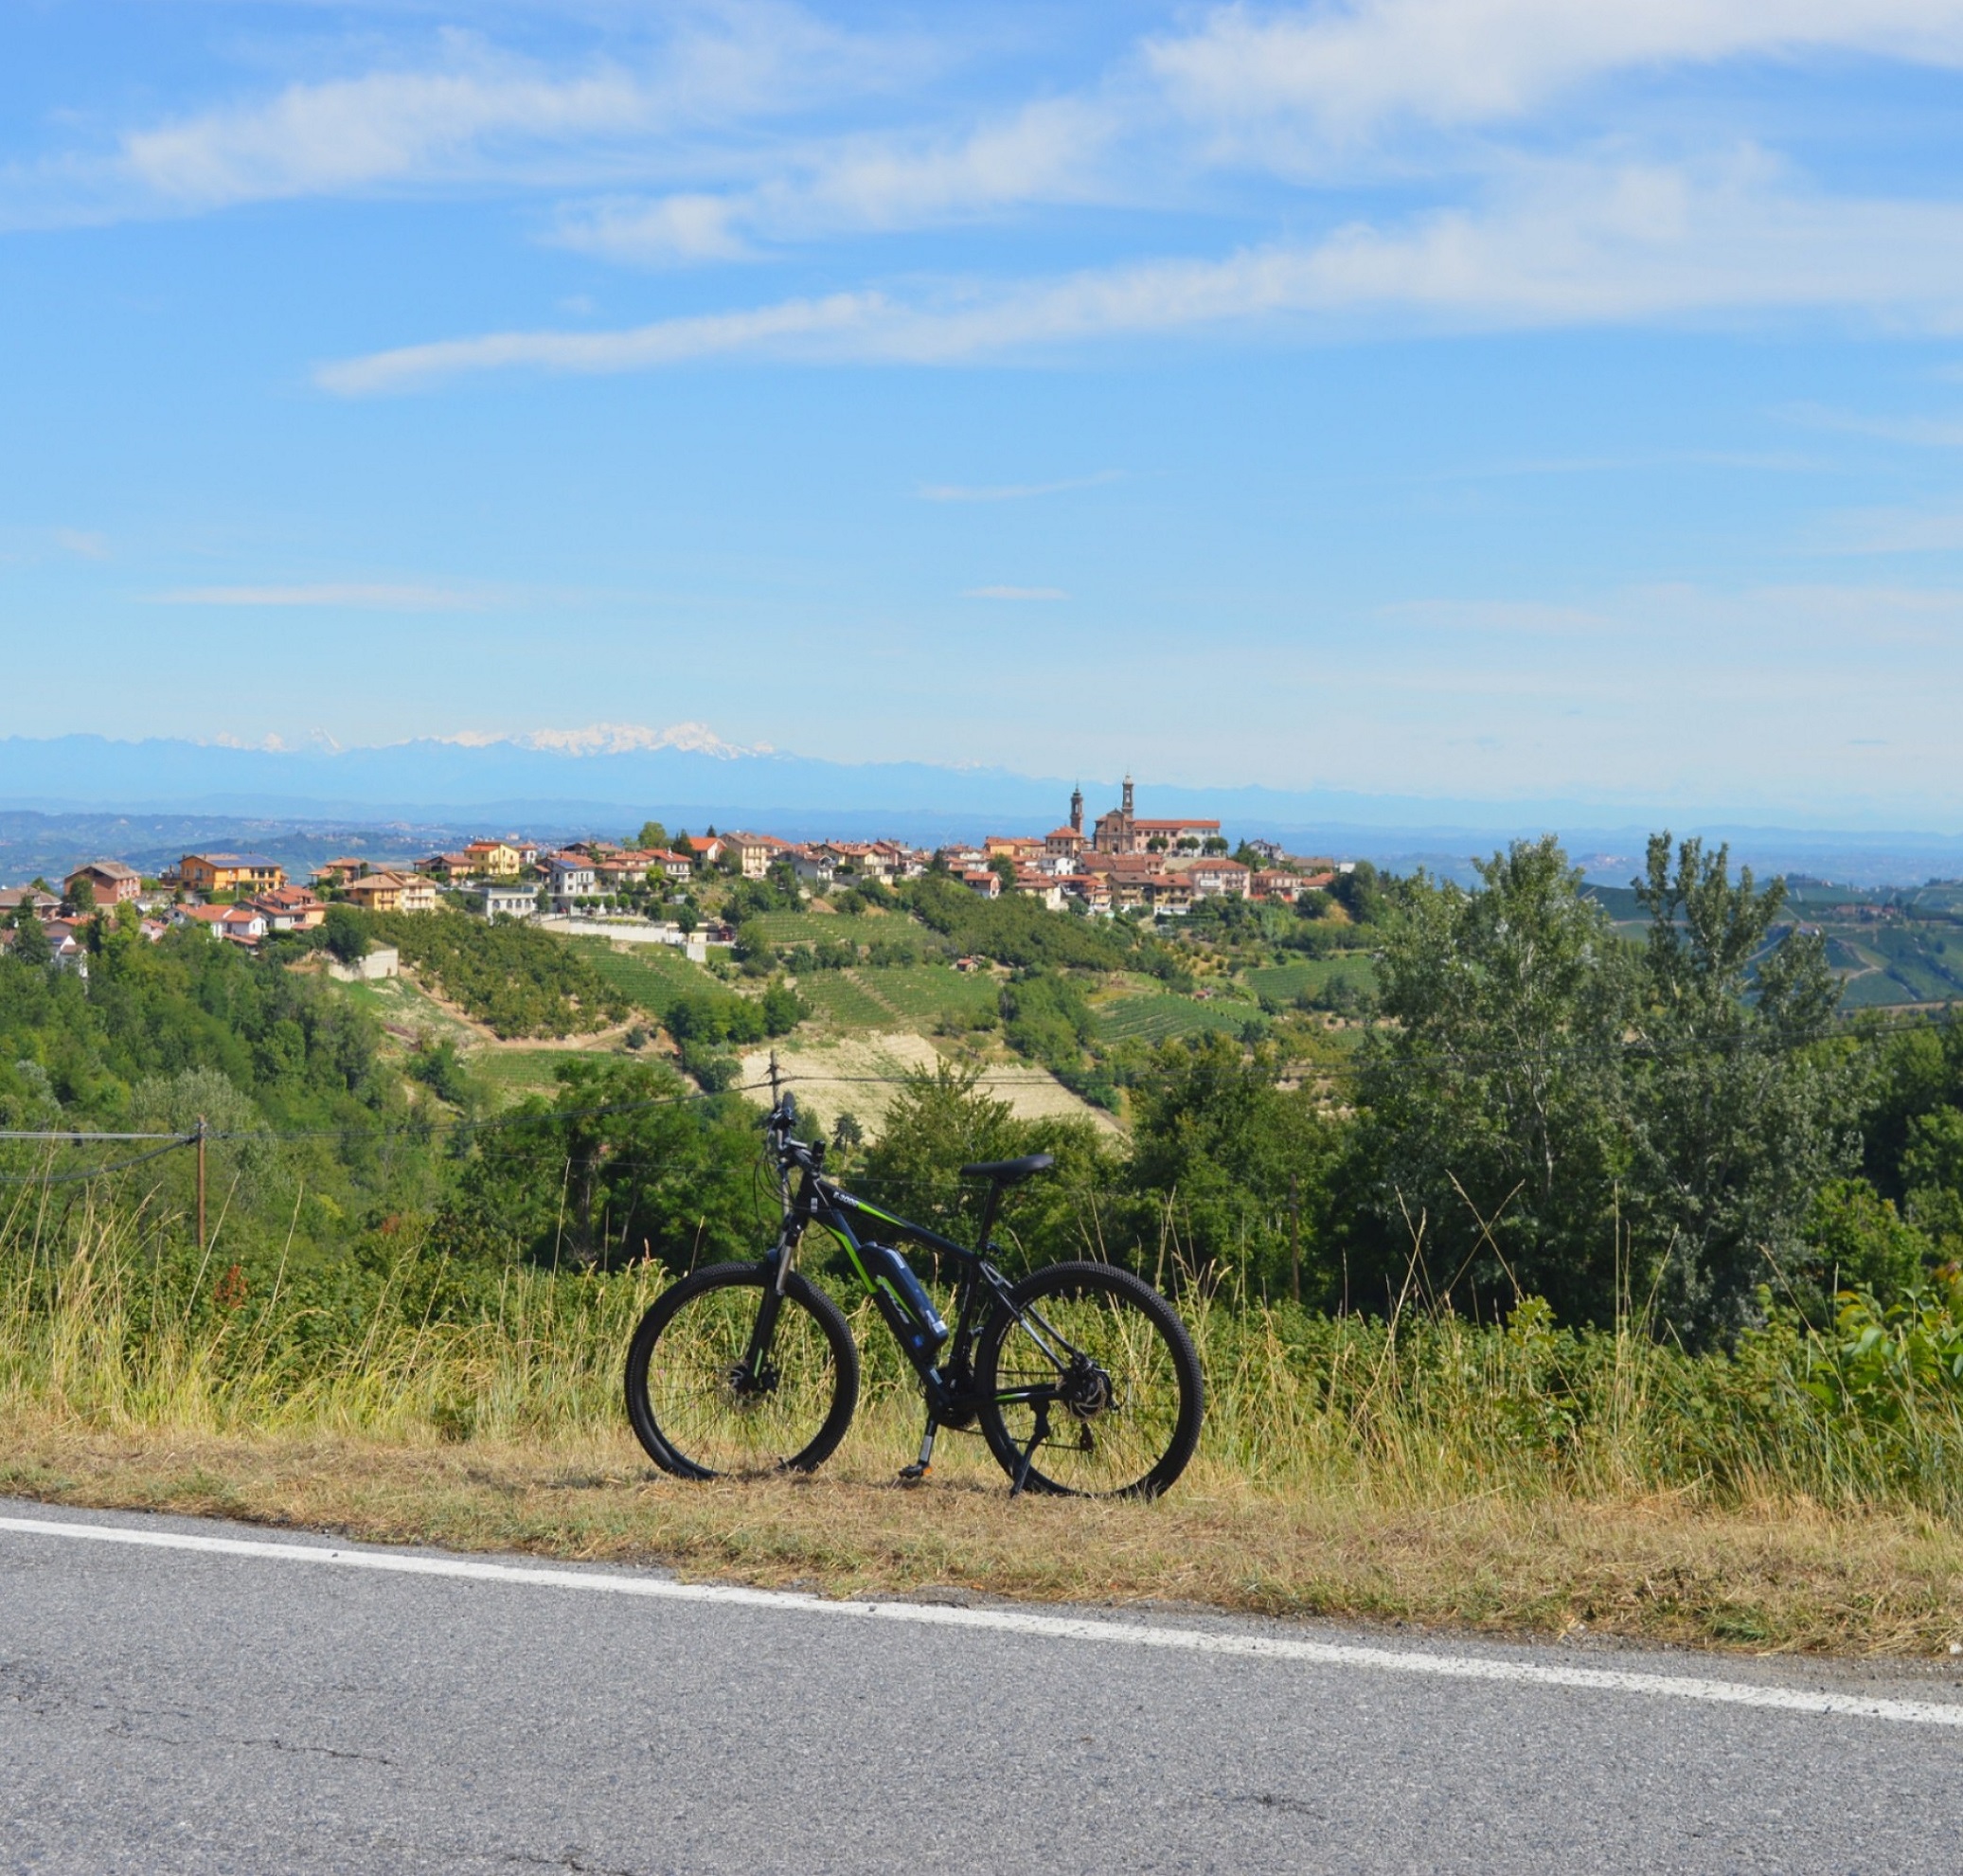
(706, 1401)
(1090, 1385)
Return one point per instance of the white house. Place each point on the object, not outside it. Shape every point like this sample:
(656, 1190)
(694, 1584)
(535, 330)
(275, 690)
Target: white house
(510, 901)
(572, 877)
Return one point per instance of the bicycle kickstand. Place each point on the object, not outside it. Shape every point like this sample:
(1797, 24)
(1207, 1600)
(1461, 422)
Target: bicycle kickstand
(1037, 1435)
(913, 1474)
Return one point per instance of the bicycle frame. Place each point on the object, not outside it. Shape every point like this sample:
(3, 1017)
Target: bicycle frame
(944, 1365)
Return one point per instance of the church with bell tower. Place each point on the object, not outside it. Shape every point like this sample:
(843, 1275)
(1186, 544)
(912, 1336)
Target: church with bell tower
(1116, 832)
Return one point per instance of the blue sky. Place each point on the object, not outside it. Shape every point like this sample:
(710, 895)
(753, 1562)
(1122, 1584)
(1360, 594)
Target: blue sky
(1481, 399)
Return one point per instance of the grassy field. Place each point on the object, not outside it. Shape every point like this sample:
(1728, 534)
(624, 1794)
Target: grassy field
(1904, 963)
(841, 1004)
(514, 1072)
(1285, 982)
(924, 994)
(1518, 1481)
(814, 928)
(1159, 1018)
(649, 975)
(406, 1010)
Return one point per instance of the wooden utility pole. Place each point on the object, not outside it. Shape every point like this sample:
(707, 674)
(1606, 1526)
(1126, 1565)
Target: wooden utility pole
(1294, 1236)
(200, 1185)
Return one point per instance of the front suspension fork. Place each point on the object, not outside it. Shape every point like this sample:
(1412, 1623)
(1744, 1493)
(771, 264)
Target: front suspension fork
(773, 1301)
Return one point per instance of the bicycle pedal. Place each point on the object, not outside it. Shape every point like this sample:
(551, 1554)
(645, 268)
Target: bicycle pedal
(913, 1474)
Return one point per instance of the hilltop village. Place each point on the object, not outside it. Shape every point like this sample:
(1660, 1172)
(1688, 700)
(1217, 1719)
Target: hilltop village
(1122, 864)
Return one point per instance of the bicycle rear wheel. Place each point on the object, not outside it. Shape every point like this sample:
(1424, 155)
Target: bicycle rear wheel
(703, 1408)
(1090, 1385)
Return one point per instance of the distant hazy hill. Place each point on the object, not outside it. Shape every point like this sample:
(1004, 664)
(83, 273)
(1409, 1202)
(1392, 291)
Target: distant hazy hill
(610, 781)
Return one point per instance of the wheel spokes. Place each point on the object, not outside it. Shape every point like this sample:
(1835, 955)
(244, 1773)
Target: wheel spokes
(1113, 1411)
(714, 1410)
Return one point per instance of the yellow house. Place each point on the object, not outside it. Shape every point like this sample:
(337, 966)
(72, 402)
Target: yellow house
(230, 872)
(493, 858)
(393, 892)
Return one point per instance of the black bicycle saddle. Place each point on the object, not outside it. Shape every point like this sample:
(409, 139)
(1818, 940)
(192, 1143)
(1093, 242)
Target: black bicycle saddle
(1006, 1171)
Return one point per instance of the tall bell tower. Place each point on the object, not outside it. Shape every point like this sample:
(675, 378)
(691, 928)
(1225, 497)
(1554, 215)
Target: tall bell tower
(1077, 810)
(1126, 811)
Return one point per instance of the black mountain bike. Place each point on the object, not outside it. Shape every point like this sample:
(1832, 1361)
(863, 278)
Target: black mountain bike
(1080, 1377)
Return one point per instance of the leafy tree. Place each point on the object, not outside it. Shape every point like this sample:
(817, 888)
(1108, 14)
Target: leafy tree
(1932, 1177)
(619, 1165)
(1045, 1017)
(943, 1120)
(1734, 1103)
(81, 895)
(30, 942)
(440, 1069)
(713, 1071)
(1855, 1241)
(782, 1009)
(520, 980)
(1004, 869)
(344, 934)
(1017, 930)
(708, 1016)
(752, 950)
(652, 837)
(1360, 893)
(1491, 1106)
(1235, 1166)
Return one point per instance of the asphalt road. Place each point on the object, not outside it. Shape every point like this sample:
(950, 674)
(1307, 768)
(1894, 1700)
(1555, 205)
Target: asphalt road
(165, 1709)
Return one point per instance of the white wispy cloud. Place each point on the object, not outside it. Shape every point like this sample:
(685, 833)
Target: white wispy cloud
(683, 227)
(84, 543)
(467, 110)
(1924, 432)
(1352, 68)
(664, 341)
(1015, 593)
(346, 596)
(1016, 491)
(1046, 151)
(319, 139)
(1554, 243)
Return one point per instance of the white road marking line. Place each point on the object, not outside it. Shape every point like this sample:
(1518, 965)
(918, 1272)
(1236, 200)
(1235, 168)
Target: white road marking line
(1017, 1621)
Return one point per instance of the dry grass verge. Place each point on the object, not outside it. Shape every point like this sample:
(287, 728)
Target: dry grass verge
(1777, 1578)
(1800, 1494)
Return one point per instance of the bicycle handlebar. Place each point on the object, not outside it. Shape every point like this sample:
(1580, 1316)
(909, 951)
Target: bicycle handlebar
(810, 1155)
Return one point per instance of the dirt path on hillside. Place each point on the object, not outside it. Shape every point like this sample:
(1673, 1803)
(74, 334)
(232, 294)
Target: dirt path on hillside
(863, 1074)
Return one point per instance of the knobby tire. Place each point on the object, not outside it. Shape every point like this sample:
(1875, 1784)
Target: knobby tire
(682, 1398)
(1133, 1447)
